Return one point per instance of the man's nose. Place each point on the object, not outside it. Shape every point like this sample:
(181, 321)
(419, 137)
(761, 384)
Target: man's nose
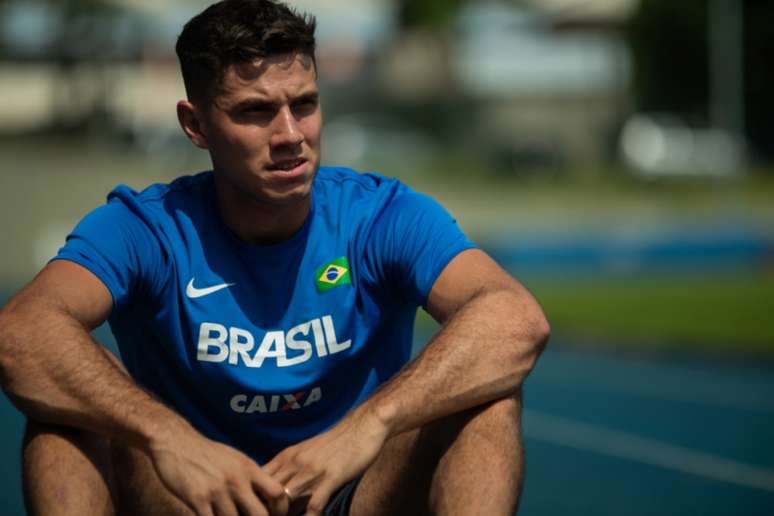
(286, 130)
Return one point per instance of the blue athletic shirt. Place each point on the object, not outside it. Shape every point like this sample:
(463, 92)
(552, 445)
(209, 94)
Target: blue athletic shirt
(262, 346)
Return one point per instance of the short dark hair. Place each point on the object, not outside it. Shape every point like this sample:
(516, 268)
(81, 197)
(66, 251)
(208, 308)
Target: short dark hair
(238, 31)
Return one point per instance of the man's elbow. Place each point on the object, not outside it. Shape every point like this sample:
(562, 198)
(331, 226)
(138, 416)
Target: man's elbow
(19, 354)
(9, 356)
(530, 331)
(539, 331)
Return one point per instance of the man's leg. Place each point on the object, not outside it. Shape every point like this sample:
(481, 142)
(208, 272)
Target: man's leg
(72, 472)
(140, 489)
(66, 472)
(467, 464)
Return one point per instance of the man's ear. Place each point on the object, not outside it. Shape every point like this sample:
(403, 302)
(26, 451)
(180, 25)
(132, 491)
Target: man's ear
(190, 120)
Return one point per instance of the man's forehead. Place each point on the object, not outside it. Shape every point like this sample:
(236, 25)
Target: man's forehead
(287, 73)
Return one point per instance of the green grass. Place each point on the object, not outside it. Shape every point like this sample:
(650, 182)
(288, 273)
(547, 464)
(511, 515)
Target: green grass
(728, 314)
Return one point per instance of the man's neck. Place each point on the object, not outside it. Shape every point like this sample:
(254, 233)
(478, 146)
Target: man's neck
(255, 222)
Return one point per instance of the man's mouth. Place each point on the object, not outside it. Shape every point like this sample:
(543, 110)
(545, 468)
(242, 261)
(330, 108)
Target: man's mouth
(287, 165)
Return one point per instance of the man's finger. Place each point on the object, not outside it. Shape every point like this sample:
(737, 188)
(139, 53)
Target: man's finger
(248, 502)
(278, 506)
(204, 511)
(283, 476)
(299, 485)
(271, 491)
(272, 466)
(265, 484)
(269, 468)
(223, 505)
(319, 500)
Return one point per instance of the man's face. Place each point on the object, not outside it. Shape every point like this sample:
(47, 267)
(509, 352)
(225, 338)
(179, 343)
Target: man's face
(263, 129)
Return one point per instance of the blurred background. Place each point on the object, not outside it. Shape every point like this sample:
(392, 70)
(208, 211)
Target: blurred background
(617, 156)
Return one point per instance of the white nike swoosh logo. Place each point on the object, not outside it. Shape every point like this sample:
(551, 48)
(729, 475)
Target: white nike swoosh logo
(194, 292)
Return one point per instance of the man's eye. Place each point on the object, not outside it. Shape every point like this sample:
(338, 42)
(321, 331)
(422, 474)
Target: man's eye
(305, 105)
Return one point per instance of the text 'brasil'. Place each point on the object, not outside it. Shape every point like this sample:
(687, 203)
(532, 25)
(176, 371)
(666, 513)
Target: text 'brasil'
(295, 346)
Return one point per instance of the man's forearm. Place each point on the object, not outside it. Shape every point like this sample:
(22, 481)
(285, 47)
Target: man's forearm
(484, 352)
(55, 372)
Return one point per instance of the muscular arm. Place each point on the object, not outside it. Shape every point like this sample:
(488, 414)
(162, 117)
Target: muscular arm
(493, 332)
(54, 372)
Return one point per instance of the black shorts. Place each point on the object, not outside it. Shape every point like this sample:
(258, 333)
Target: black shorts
(341, 500)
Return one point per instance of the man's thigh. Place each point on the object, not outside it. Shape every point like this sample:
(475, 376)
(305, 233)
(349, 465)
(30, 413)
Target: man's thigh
(461, 464)
(400, 480)
(66, 471)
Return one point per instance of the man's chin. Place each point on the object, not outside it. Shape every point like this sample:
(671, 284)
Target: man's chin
(285, 196)
(267, 188)
(282, 190)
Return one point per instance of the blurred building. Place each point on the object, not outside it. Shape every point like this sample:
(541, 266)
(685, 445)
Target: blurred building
(546, 82)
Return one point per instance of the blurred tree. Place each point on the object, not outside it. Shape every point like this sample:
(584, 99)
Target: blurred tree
(431, 13)
(759, 76)
(670, 45)
(85, 44)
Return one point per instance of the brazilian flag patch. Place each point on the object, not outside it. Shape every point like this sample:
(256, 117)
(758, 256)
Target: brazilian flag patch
(333, 274)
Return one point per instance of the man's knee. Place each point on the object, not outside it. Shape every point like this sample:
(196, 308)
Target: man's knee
(65, 471)
(482, 470)
(504, 413)
(476, 451)
(46, 443)
(497, 416)
(70, 471)
(141, 490)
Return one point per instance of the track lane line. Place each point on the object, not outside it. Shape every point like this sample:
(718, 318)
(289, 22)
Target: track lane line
(615, 443)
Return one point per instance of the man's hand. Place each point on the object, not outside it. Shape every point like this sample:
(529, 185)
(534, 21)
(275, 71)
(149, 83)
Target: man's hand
(317, 467)
(215, 479)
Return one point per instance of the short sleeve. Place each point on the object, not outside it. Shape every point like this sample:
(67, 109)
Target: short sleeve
(119, 248)
(412, 241)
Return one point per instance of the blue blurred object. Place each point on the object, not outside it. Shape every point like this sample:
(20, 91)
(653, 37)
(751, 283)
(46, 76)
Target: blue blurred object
(677, 250)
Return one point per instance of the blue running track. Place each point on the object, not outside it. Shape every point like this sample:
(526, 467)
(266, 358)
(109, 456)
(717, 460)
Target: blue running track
(608, 434)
